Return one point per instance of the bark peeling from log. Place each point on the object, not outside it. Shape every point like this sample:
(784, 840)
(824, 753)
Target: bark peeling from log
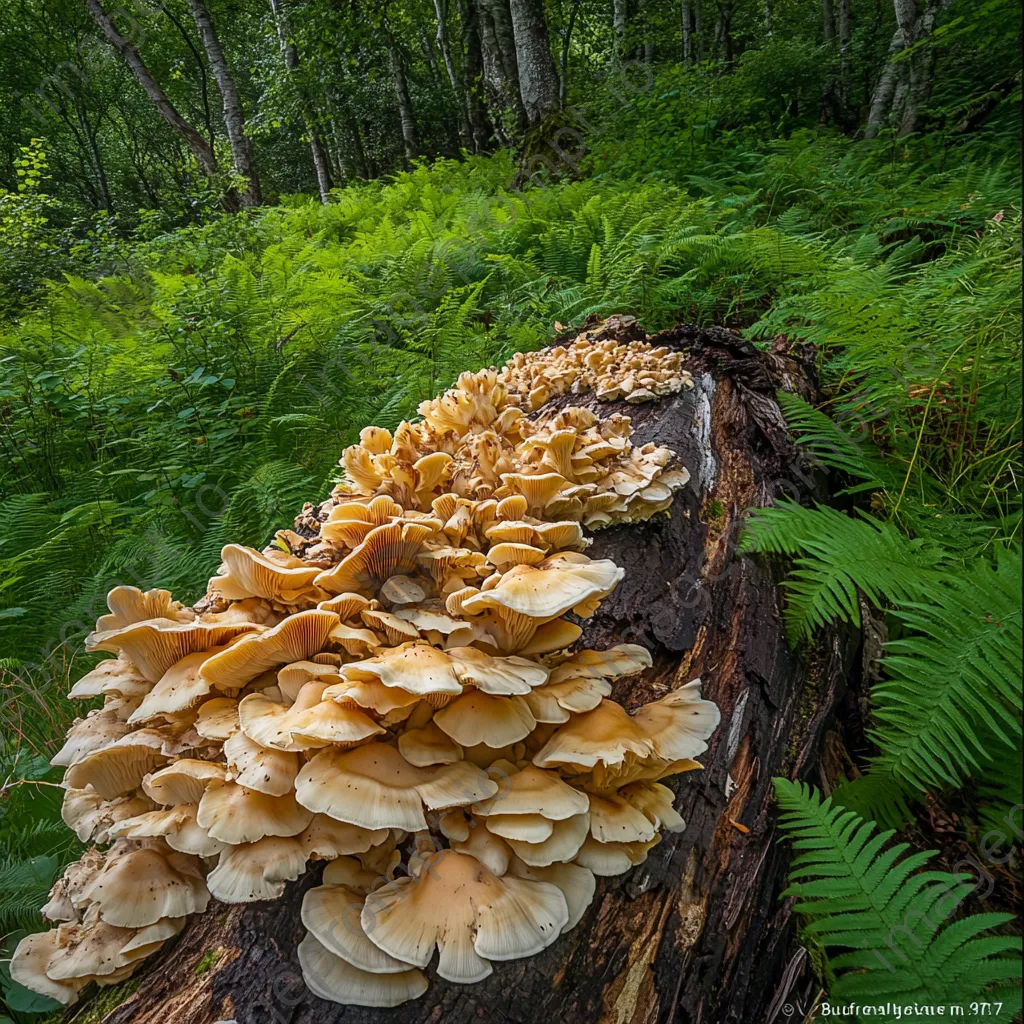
(697, 934)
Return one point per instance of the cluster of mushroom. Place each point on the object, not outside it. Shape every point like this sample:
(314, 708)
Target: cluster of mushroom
(634, 372)
(387, 688)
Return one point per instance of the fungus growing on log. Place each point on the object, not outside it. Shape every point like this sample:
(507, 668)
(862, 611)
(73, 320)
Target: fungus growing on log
(389, 688)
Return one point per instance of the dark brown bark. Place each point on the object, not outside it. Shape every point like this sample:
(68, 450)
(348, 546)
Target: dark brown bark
(234, 114)
(199, 147)
(697, 932)
(828, 19)
(538, 79)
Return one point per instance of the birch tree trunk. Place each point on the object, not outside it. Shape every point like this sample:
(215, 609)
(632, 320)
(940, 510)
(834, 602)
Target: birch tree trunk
(234, 114)
(620, 24)
(538, 79)
(199, 147)
(406, 116)
(293, 64)
(460, 92)
(697, 932)
(473, 76)
(684, 17)
(500, 61)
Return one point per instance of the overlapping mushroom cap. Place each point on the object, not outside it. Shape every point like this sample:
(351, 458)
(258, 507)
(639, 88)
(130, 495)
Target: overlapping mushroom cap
(388, 688)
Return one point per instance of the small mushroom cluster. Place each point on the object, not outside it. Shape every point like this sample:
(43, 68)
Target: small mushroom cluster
(634, 372)
(388, 688)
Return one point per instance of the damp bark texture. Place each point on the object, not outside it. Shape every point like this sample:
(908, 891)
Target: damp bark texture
(697, 932)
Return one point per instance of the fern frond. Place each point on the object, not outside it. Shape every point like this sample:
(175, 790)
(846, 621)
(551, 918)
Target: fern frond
(836, 556)
(881, 915)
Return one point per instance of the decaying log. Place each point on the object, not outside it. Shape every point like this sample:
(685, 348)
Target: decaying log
(697, 933)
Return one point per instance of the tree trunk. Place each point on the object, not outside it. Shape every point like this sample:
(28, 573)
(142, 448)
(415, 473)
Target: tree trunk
(500, 61)
(234, 115)
(293, 64)
(460, 93)
(698, 28)
(406, 117)
(620, 24)
(684, 17)
(199, 147)
(828, 20)
(204, 85)
(885, 89)
(563, 64)
(473, 76)
(844, 53)
(538, 79)
(697, 932)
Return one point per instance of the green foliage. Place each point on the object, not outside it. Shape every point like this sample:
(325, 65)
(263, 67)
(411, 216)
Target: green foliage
(885, 920)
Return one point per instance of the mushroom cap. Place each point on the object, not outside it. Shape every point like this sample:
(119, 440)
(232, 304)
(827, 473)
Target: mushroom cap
(294, 639)
(680, 723)
(115, 677)
(414, 667)
(260, 768)
(97, 730)
(499, 676)
(86, 951)
(470, 914)
(613, 858)
(491, 850)
(615, 820)
(620, 660)
(90, 817)
(235, 815)
(156, 644)
(28, 968)
(178, 689)
(428, 746)
(139, 887)
(183, 781)
(656, 802)
(529, 828)
(279, 578)
(576, 882)
(376, 787)
(388, 550)
(327, 839)
(567, 836)
(299, 727)
(217, 719)
(256, 871)
(332, 914)
(477, 717)
(149, 939)
(129, 604)
(332, 978)
(535, 791)
(118, 767)
(177, 825)
(602, 736)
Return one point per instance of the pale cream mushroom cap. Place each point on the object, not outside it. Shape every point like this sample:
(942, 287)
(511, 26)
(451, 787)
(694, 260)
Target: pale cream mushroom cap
(130, 604)
(308, 723)
(388, 550)
(467, 912)
(528, 828)
(615, 820)
(577, 883)
(257, 767)
(414, 667)
(346, 605)
(332, 978)
(535, 791)
(567, 836)
(291, 678)
(605, 735)
(396, 630)
(28, 968)
(178, 689)
(177, 825)
(140, 887)
(114, 676)
(477, 717)
(491, 850)
(613, 858)
(90, 817)
(348, 871)
(97, 730)
(217, 719)
(148, 940)
(324, 838)
(332, 914)
(620, 660)
(156, 644)
(235, 815)
(680, 723)
(509, 676)
(657, 802)
(371, 693)
(88, 951)
(280, 578)
(427, 746)
(294, 639)
(119, 767)
(376, 787)
(256, 871)
(182, 782)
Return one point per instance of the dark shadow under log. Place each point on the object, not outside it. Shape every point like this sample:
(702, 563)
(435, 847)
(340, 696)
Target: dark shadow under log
(697, 933)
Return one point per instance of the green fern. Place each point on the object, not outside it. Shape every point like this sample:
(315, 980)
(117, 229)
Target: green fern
(951, 699)
(837, 556)
(882, 917)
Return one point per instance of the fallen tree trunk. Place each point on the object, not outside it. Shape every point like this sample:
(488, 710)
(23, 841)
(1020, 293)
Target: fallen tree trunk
(697, 933)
